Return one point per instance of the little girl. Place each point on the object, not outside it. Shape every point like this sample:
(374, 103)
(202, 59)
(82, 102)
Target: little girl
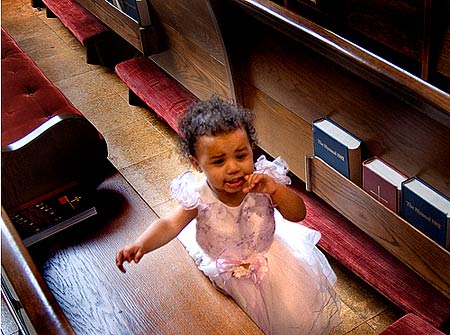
(237, 223)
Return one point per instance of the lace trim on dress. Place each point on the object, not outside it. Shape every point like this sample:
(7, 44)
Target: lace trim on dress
(277, 169)
(183, 189)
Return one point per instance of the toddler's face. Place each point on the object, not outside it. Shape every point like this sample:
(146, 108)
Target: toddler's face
(225, 159)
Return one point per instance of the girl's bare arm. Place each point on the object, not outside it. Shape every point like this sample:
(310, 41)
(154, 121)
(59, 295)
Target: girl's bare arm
(289, 203)
(155, 236)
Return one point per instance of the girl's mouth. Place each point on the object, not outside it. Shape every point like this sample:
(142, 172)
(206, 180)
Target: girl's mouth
(235, 183)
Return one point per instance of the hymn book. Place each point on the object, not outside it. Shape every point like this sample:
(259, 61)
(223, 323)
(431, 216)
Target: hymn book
(427, 210)
(338, 148)
(138, 10)
(48, 215)
(383, 182)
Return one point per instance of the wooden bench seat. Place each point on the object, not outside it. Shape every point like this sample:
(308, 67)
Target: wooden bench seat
(69, 283)
(150, 85)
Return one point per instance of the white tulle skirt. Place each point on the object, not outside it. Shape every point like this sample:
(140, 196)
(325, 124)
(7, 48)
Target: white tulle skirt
(293, 292)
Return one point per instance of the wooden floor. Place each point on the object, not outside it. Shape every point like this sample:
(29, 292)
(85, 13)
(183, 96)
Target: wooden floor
(143, 148)
(165, 294)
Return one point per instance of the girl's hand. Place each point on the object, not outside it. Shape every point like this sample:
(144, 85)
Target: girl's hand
(131, 253)
(290, 204)
(260, 183)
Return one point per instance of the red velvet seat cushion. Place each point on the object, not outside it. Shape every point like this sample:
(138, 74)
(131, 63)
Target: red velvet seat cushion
(157, 89)
(83, 25)
(28, 97)
(412, 325)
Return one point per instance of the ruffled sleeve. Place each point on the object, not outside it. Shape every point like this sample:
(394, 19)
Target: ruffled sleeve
(277, 169)
(183, 189)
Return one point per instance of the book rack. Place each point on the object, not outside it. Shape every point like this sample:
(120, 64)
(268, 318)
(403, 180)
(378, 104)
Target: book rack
(392, 232)
(145, 39)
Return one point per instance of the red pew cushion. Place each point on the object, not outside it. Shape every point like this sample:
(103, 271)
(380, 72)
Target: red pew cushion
(411, 324)
(28, 97)
(156, 88)
(83, 25)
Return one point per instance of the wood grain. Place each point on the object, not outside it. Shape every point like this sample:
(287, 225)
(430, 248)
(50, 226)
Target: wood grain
(292, 134)
(164, 294)
(443, 62)
(115, 19)
(193, 66)
(195, 54)
(291, 71)
(345, 54)
(194, 21)
(143, 39)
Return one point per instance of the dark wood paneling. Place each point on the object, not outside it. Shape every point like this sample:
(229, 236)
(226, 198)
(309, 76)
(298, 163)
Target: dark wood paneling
(395, 24)
(443, 61)
(193, 66)
(193, 20)
(347, 55)
(407, 33)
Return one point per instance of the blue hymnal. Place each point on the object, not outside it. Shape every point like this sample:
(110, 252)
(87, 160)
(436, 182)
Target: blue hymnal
(427, 210)
(130, 8)
(338, 148)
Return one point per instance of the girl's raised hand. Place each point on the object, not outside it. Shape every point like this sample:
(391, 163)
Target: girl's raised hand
(260, 183)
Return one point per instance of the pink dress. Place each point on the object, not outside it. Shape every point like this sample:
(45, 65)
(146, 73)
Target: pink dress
(270, 266)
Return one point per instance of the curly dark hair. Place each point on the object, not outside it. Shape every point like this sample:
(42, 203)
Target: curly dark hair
(213, 117)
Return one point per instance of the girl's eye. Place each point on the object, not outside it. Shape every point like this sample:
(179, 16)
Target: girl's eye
(241, 156)
(218, 162)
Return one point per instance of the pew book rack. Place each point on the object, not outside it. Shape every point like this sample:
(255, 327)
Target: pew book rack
(383, 225)
(143, 36)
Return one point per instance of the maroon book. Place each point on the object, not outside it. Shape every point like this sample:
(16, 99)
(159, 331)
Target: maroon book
(383, 182)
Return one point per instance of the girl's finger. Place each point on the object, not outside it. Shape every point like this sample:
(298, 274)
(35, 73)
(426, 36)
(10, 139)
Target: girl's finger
(121, 268)
(137, 257)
